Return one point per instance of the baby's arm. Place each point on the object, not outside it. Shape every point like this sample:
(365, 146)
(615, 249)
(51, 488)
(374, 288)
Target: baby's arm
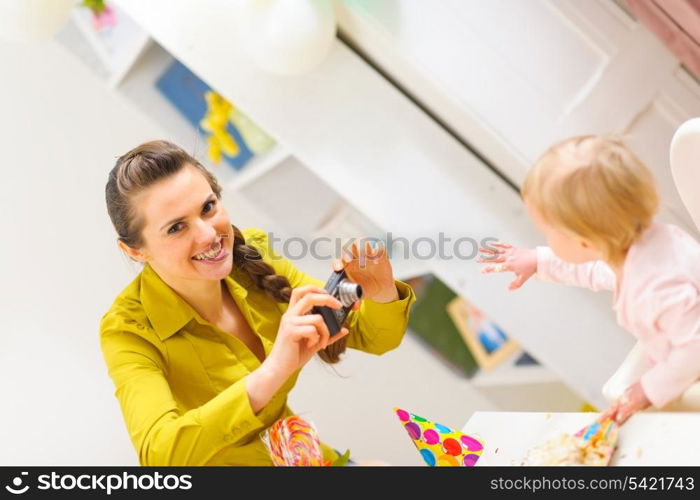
(675, 315)
(596, 275)
(542, 262)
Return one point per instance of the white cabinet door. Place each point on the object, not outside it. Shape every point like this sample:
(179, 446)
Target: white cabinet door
(513, 76)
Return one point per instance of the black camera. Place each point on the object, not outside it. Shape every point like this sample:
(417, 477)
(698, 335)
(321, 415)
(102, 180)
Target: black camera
(347, 292)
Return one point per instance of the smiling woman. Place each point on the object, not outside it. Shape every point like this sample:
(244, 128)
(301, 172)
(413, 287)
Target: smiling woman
(207, 341)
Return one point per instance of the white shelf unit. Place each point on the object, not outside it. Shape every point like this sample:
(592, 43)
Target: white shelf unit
(117, 48)
(257, 167)
(139, 86)
(131, 63)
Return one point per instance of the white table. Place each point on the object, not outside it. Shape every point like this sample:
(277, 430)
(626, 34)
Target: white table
(649, 438)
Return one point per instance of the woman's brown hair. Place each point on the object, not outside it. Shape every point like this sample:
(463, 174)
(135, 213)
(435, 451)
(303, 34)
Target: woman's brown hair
(153, 161)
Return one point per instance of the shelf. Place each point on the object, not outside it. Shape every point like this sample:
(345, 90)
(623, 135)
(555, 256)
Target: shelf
(120, 73)
(118, 48)
(511, 374)
(139, 86)
(292, 196)
(256, 168)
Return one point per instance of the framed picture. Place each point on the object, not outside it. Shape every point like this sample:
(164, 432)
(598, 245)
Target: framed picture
(487, 342)
(431, 324)
(231, 136)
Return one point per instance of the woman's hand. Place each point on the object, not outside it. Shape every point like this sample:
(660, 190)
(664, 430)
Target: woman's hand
(300, 334)
(633, 400)
(370, 268)
(504, 257)
(299, 337)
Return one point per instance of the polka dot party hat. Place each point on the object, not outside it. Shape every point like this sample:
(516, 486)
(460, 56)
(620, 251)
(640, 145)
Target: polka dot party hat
(440, 445)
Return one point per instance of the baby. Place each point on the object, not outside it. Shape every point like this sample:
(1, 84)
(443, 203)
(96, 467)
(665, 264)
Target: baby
(594, 200)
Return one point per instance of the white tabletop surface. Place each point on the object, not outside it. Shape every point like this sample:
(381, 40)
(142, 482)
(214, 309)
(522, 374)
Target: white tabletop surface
(649, 438)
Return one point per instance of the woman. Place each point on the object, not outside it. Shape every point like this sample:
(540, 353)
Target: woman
(207, 341)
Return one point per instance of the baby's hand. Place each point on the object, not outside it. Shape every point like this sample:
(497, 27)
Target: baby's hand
(503, 257)
(633, 400)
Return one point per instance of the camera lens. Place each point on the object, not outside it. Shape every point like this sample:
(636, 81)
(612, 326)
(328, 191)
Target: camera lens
(349, 293)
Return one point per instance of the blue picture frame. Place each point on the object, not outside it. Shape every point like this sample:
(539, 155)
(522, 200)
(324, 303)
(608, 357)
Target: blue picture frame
(186, 92)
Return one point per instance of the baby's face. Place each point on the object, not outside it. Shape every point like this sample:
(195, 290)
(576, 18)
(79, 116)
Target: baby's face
(566, 245)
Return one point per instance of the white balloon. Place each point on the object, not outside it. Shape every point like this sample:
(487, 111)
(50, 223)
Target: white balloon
(287, 37)
(32, 20)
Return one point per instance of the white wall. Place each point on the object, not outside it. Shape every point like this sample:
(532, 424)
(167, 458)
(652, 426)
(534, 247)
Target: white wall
(512, 77)
(61, 131)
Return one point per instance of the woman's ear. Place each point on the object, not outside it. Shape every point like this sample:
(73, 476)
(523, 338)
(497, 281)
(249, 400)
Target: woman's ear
(132, 253)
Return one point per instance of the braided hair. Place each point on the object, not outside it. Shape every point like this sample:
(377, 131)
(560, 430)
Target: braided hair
(248, 259)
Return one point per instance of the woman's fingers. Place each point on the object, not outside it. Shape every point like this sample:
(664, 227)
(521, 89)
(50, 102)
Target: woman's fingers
(372, 249)
(342, 333)
(310, 334)
(375, 250)
(307, 334)
(298, 293)
(361, 250)
(380, 251)
(354, 250)
(368, 253)
(308, 301)
(315, 320)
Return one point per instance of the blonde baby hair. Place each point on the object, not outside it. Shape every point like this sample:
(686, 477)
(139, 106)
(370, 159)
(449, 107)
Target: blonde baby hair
(594, 187)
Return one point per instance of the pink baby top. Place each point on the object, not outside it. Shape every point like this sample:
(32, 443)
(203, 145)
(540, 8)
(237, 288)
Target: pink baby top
(657, 300)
